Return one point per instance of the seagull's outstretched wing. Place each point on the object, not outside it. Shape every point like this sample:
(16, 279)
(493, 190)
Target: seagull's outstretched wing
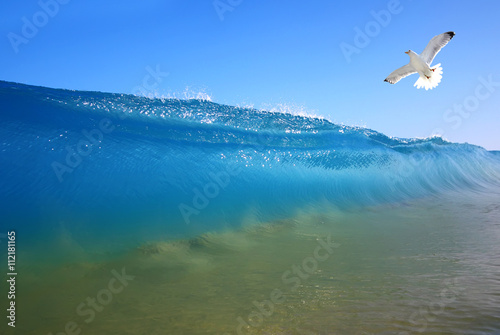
(400, 73)
(435, 45)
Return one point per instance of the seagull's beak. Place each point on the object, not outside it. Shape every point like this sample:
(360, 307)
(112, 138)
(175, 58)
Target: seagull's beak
(407, 52)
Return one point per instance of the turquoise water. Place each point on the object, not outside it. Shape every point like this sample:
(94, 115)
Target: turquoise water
(141, 216)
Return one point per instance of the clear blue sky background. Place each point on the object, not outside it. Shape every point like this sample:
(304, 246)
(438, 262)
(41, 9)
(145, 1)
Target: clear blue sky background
(273, 53)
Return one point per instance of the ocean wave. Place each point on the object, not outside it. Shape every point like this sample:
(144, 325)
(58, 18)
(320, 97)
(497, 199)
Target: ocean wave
(178, 167)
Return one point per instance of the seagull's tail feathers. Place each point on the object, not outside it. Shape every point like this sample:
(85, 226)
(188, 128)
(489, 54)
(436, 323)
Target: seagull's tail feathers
(433, 81)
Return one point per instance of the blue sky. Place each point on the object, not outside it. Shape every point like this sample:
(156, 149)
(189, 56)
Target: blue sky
(271, 54)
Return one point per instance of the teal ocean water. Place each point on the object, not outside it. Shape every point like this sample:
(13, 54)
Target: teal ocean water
(162, 216)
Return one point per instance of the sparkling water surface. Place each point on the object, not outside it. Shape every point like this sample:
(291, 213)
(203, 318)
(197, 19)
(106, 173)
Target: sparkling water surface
(150, 216)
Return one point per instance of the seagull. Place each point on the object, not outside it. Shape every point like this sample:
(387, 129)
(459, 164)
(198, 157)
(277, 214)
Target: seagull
(430, 77)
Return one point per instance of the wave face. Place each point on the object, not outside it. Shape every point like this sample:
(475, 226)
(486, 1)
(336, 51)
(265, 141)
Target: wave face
(90, 167)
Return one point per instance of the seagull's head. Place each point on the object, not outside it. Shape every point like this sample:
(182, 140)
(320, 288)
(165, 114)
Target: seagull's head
(409, 53)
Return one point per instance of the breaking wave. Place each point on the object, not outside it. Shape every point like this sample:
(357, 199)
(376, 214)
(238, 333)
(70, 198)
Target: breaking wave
(119, 169)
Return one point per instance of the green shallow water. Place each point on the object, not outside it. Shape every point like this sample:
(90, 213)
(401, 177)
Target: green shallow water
(429, 266)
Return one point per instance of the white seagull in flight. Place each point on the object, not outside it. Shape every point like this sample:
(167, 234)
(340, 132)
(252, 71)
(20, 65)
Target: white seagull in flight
(430, 77)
